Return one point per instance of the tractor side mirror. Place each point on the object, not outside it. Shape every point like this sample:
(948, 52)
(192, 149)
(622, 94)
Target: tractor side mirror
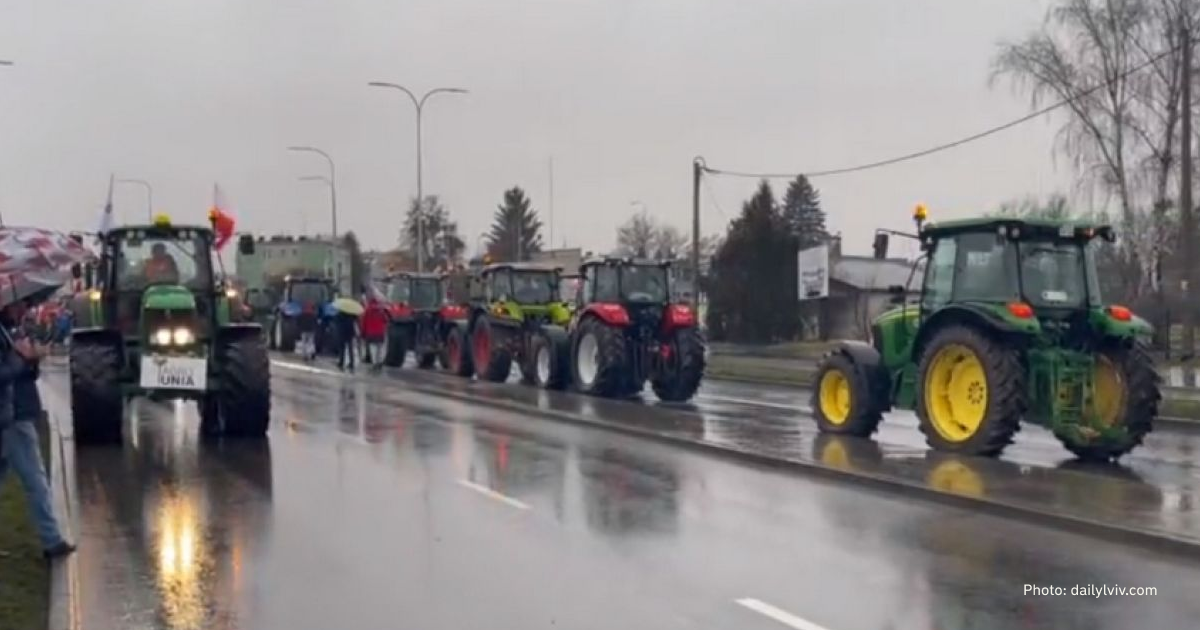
(246, 245)
(881, 245)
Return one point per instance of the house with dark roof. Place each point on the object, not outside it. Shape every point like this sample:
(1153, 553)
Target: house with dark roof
(859, 290)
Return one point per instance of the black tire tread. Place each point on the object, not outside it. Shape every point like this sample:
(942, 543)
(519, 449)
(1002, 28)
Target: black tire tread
(1142, 385)
(499, 363)
(689, 344)
(97, 405)
(244, 397)
(612, 368)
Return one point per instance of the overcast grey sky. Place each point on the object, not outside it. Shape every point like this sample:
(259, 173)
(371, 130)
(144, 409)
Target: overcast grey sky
(622, 94)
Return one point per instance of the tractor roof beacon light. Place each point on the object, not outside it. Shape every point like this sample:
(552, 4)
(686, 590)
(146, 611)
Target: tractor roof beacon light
(920, 213)
(162, 221)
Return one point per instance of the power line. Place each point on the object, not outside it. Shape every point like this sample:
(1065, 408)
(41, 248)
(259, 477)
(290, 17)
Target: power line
(957, 143)
(712, 198)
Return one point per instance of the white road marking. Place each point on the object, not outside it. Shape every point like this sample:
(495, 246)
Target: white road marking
(492, 494)
(782, 616)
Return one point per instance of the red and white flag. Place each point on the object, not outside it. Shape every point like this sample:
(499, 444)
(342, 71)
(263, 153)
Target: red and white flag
(221, 218)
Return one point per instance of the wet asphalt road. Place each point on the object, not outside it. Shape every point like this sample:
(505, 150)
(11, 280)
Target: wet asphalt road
(373, 506)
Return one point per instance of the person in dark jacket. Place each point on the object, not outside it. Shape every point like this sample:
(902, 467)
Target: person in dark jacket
(347, 337)
(20, 409)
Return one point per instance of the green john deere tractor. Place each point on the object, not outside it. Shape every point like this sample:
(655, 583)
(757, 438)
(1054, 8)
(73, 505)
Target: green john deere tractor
(157, 324)
(1010, 325)
(515, 314)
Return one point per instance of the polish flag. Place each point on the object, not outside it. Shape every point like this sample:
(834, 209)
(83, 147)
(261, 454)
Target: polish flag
(221, 219)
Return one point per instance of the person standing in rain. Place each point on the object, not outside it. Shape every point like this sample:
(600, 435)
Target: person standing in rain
(20, 410)
(346, 329)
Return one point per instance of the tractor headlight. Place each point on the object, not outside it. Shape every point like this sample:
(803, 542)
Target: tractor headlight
(162, 337)
(183, 336)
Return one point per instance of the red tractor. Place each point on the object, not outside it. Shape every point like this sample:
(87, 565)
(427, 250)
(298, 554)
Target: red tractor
(419, 318)
(625, 331)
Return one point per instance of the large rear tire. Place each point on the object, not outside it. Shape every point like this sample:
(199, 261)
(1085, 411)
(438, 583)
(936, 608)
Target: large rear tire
(395, 345)
(684, 369)
(970, 392)
(97, 406)
(598, 362)
(1125, 401)
(458, 353)
(845, 401)
(491, 357)
(243, 401)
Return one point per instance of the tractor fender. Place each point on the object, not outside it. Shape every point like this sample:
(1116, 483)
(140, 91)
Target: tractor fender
(610, 313)
(867, 360)
(973, 315)
(238, 330)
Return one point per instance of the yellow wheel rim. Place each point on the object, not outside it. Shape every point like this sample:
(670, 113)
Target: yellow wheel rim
(835, 396)
(956, 393)
(1108, 392)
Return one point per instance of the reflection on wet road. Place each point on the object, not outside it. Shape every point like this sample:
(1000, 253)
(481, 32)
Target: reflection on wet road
(377, 506)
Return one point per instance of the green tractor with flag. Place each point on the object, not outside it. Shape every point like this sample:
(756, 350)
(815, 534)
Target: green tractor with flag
(158, 324)
(1010, 326)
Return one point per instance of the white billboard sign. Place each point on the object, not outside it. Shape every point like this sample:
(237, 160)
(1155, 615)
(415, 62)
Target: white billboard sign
(812, 266)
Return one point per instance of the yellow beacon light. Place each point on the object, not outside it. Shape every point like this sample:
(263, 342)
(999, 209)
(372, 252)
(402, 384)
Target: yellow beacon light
(162, 220)
(920, 213)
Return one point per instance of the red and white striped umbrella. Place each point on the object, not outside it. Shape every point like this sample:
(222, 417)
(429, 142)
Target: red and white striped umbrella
(25, 249)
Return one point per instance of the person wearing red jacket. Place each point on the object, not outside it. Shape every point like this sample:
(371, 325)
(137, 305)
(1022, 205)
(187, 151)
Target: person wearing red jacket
(373, 325)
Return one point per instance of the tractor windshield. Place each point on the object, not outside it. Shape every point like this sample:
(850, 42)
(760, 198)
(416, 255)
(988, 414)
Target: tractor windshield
(147, 258)
(534, 287)
(644, 283)
(399, 291)
(309, 293)
(1054, 274)
(426, 293)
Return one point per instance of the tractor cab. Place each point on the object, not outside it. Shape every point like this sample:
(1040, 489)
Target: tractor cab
(522, 283)
(408, 292)
(638, 291)
(156, 284)
(305, 295)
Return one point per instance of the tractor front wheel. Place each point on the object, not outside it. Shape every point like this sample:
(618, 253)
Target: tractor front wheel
(1125, 399)
(970, 392)
(845, 400)
(492, 360)
(241, 406)
(598, 359)
(679, 374)
(97, 407)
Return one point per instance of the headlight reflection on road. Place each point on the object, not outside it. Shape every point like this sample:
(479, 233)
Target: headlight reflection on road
(179, 559)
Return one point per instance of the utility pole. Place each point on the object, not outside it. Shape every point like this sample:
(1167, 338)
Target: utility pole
(1187, 217)
(697, 173)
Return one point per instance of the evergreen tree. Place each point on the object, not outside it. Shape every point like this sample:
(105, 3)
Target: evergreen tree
(803, 215)
(754, 275)
(516, 229)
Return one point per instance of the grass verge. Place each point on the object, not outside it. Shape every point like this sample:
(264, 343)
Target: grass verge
(24, 575)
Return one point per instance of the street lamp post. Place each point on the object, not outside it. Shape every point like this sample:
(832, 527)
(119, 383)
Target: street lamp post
(149, 194)
(332, 180)
(419, 103)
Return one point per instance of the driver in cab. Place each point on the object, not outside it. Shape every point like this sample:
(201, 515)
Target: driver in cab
(160, 267)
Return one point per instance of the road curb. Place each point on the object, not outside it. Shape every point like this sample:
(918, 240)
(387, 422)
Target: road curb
(63, 612)
(1152, 540)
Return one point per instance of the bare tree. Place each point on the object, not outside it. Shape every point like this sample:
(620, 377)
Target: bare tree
(637, 236)
(1122, 126)
(670, 243)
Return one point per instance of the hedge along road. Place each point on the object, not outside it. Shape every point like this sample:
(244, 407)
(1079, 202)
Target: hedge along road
(1151, 493)
(376, 505)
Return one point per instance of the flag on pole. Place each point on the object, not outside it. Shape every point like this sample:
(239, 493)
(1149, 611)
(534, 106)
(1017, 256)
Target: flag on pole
(106, 219)
(221, 219)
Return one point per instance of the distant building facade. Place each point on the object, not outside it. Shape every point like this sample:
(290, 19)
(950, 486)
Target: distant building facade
(277, 256)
